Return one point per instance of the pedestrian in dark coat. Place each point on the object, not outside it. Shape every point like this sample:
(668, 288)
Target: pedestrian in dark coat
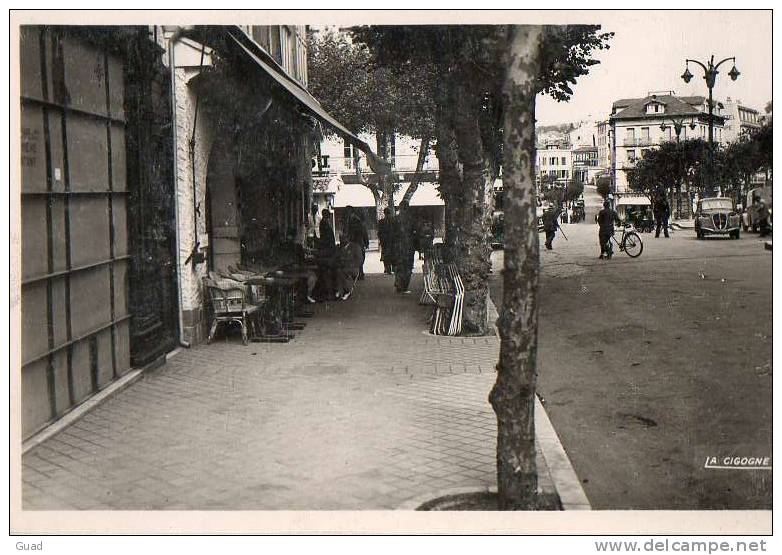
(385, 238)
(550, 224)
(605, 220)
(327, 242)
(662, 211)
(405, 249)
(357, 233)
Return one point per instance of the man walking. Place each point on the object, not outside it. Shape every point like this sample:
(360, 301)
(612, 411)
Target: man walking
(328, 242)
(357, 233)
(384, 237)
(605, 220)
(550, 223)
(662, 210)
(405, 249)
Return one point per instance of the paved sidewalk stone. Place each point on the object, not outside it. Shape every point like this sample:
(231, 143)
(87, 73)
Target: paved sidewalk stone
(362, 410)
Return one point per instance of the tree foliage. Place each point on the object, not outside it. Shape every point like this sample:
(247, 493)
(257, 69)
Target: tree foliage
(363, 95)
(573, 190)
(673, 164)
(603, 185)
(477, 52)
(663, 170)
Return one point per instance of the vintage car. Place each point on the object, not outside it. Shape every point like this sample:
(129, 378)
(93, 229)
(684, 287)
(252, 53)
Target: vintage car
(716, 216)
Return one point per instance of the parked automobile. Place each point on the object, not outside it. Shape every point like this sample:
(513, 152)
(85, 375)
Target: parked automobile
(749, 216)
(717, 216)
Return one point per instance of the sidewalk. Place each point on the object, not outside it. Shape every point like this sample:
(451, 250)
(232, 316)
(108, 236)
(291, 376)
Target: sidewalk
(363, 410)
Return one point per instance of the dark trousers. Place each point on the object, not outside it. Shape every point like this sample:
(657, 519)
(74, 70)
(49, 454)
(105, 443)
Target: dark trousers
(385, 256)
(404, 271)
(604, 236)
(361, 268)
(662, 221)
(763, 227)
(550, 238)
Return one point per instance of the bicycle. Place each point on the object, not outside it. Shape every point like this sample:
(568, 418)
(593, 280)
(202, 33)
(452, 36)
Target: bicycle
(630, 243)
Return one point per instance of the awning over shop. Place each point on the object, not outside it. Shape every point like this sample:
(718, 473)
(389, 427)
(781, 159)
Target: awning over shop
(359, 196)
(353, 195)
(304, 98)
(426, 195)
(633, 201)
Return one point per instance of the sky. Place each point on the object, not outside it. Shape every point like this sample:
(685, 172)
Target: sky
(648, 52)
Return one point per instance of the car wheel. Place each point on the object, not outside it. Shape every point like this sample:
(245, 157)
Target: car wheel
(735, 234)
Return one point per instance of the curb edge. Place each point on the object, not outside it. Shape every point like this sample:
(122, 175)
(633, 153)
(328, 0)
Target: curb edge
(566, 483)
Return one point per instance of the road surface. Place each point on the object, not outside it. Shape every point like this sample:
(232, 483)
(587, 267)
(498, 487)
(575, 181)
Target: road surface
(649, 366)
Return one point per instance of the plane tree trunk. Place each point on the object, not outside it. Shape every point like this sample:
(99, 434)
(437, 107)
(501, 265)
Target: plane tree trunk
(513, 394)
(472, 249)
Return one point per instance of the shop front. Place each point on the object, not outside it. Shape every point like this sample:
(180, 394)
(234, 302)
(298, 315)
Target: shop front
(245, 186)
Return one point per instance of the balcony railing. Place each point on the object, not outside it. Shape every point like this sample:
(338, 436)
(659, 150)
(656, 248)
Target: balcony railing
(638, 141)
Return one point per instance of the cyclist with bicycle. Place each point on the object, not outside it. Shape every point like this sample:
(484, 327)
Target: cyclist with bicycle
(605, 220)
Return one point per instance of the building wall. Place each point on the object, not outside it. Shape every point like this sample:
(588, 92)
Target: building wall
(287, 44)
(557, 159)
(631, 147)
(604, 145)
(338, 155)
(739, 119)
(191, 275)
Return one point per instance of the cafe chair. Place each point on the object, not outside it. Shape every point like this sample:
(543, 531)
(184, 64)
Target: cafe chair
(229, 304)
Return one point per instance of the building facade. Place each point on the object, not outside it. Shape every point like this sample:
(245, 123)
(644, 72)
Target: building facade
(585, 164)
(739, 119)
(554, 163)
(246, 133)
(640, 124)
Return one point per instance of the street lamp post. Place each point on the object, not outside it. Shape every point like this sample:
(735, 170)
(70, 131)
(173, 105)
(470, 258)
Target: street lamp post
(710, 71)
(678, 124)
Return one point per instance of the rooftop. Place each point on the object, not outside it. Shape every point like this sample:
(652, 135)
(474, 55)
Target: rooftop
(631, 108)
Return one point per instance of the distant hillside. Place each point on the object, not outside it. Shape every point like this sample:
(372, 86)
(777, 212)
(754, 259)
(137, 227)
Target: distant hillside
(553, 132)
(559, 128)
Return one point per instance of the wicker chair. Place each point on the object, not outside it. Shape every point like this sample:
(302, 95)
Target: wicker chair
(230, 304)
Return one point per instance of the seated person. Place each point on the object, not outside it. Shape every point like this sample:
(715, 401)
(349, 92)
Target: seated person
(292, 256)
(349, 259)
